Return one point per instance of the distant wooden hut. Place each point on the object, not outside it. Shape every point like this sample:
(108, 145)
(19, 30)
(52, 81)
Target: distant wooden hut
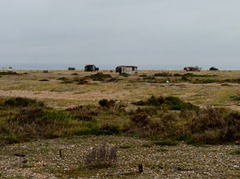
(126, 69)
(213, 69)
(71, 68)
(91, 68)
(196, 68)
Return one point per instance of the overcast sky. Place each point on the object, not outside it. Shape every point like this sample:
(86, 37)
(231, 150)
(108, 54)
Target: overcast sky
(114, 32)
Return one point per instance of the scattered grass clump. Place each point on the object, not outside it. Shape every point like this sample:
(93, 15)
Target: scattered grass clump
(235, 97)
(164, 74)
(65, 80)
(44, 79)
(124, 75)
(237, 80)
(22, 102)
(8, 73)
(140, 119)
(147, 145)
(74, 74)
(81, 81)
(99, 77)
(125, 146)
(207, 80)
(170, 103)
(235, 152)
(107, 103)
(192, 75)
(83, 113)
(110, 129)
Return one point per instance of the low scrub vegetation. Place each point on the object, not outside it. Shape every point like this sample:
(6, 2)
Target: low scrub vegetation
(235, 97)
(84, 80)
(101, 156)
(170, 103)
(165, 120)
(8, 73)
(235, 152)
(163, 77)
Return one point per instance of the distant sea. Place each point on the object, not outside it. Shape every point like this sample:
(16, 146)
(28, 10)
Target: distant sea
(61, 66)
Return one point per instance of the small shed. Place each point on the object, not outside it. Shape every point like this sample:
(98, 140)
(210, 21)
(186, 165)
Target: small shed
(126, 69)
(213, 69)
(71, 68)
(91, 68)
(196, 68)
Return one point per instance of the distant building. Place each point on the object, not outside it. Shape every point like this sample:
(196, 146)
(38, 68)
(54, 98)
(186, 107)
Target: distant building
(91, 68)
(71, 68)
(213, 69)
(196, 68)
(126, 69)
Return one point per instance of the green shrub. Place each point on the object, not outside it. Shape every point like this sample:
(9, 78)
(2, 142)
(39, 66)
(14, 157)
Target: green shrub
(176, 103)
(235, 152)
(170, 102)
(81, 81)
(125, 75)
(214, 126)
(44, 79)
(147, 145)
(8, 73)
(156, 101)
(74, 74)
(107, 103)
(65, 80)
(233, 80)
(108, 129)
(28, 115)
(208, 80)
(83, 113)
(99, 77)
(184, 78)
(11, 139)
(235, 97)
(164, 74)
(140, 103)
(22, 102)
(57, 115)
(140, 119)
(125, 146)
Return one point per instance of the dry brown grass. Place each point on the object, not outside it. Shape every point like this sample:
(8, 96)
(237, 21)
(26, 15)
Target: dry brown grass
(127, 89)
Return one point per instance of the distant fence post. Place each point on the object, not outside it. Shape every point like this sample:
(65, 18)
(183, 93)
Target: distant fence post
(60, 153)
(140, 168)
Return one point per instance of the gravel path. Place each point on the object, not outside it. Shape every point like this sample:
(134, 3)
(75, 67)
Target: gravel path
(181, 161)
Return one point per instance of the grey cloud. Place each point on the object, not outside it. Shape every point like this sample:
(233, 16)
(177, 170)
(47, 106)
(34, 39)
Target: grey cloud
(142, 32)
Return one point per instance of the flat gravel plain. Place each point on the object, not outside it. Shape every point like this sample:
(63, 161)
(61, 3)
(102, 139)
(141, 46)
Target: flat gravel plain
(42, 159)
